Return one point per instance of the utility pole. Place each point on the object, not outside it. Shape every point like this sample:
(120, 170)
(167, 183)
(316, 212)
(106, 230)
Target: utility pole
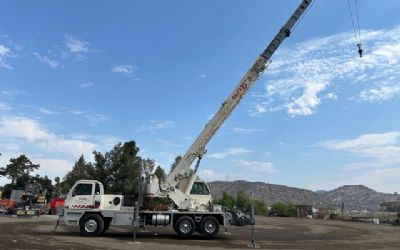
(253, 243)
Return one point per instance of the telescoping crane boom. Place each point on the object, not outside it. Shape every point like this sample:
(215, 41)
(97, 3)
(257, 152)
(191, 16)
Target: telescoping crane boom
(197, 149)
(88, 207)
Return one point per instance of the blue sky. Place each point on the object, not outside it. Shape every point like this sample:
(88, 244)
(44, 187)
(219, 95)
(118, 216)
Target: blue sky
(82, 76)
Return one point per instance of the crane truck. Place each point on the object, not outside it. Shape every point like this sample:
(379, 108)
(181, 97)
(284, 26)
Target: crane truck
(192, 210)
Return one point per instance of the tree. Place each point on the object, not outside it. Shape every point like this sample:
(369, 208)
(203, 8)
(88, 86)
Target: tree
(176, 162)
(7, 189)
(291, 208)
(226, 201)
(17, 168)
(148, 166)
(260, 208)
(101, 169)
(160, 173)
(285, 209)
(81, 170)
(45, 185)
(242, 200)
(280, 207)
(125, 168)
(120, 170)
(57, 187)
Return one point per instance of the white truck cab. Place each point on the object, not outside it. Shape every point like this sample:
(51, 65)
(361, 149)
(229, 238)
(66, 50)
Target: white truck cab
(84, 194)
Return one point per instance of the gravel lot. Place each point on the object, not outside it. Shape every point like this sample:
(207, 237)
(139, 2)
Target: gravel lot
(270, 233)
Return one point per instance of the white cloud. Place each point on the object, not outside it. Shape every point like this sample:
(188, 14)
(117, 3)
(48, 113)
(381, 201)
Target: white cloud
(69, 147)
(85, 85)
(76, 45)
(364, 141)
(54, 152)
(258, 109)
(52, 167)
(107, 142)
(12, 92)
(29, 132)
(389, 52)
(10, 146)
(383, 180)
(381, 154)
(165, 142)
(207, 172)
(95, 118)
(212, 175)
(246, 130)
(4, 106)
(359, 165)
(44, 59)
(257, 166)
(385, 154)
(5, 52)
(384, 147)
(157, 125)
(303, 75)
(203, 76)
(230, 152)
(306, 103)
(380, 94)
(77, 112)
(124, 69)
(22, 128)
(48, 112)
(331, 96)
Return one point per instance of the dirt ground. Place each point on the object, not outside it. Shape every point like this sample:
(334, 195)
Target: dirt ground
(270, 233)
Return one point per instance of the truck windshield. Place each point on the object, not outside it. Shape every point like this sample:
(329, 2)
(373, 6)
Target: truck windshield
(199, 188)
(83, 189)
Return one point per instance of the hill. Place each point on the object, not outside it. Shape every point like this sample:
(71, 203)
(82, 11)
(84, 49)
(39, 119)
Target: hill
(354, 197)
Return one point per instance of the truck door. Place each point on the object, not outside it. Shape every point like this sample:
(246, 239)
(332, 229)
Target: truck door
(83, 196)
(97, 195)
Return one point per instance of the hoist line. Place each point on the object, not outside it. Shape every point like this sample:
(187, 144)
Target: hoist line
(358, 22)
(352, 22)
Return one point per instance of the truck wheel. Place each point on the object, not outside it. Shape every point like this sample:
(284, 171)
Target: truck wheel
(91, 225)
(184, 226)
(209, 226)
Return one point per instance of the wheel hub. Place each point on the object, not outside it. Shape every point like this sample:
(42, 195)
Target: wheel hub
(185, 227)
(90, 226)
(210, 227)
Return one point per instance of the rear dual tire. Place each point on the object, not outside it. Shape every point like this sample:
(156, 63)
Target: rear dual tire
(185, 226)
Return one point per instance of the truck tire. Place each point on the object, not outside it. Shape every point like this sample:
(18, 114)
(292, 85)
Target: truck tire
(209, 226)
(91, 225)
(184, 226)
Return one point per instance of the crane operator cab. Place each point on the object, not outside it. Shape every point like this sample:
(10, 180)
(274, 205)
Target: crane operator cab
(193, 187)
(201, 193)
